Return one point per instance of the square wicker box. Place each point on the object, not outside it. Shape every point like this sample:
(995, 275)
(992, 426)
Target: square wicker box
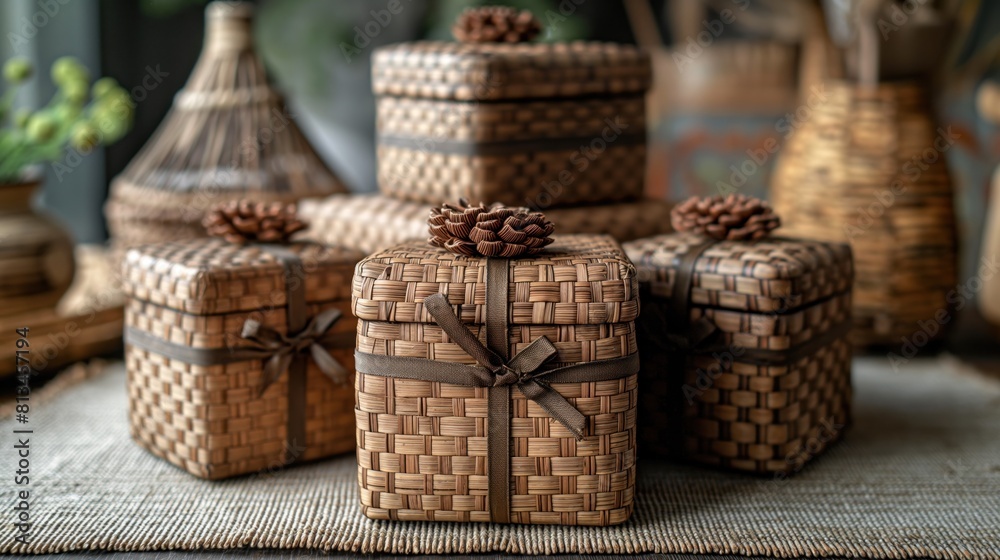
(745, 355)
(195, 381)
(440, 446)
(525, 124)
(372, 222)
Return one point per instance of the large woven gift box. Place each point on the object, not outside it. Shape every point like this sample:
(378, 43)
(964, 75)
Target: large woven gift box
(493, 389)
(236, 359)
(526, 124)
(745, 354)
(373, 222)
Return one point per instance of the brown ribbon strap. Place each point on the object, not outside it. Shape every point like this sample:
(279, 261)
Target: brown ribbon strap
(678, 334)
(281, 353)
(282, 350)
(522, 371)
(498, 397)
(497, 372)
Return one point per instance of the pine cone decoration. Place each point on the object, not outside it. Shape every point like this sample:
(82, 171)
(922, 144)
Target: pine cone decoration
(489, 231)
(495, 24)
(244, 221)
(735, 217)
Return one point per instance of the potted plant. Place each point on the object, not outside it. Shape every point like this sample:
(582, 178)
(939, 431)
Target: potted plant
(36, 254)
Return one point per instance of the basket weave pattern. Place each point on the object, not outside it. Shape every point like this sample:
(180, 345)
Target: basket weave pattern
(445, 132)
(757, 418)
(493, 71)
(371, 223)
(858, 146)
(208, 419)
(772, 389)
(422, 445)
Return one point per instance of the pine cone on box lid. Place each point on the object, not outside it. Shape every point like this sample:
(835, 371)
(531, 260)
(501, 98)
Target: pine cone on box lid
(735, 217)
(495, 24)
(489, 231)
(243, 221)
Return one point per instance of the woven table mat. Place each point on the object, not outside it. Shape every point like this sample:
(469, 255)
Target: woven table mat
(918, 475)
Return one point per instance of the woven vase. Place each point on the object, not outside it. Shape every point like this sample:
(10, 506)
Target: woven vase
(227, 136)
(868, 167)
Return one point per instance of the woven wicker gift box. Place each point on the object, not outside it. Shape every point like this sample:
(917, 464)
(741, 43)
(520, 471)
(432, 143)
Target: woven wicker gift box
(493, 389)
(525, 124)
(744, 344)
(236, 359)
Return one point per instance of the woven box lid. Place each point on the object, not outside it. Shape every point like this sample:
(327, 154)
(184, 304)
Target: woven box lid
(212, 276)
(579, 279)
(774, 274)
(496, 71)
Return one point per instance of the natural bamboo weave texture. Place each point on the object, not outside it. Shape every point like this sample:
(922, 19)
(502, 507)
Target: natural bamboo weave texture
(422, 446)
(853, 172)
(207, 419)
(371, 223)
(578, 280)
(602, 158)
(775, 274)
(489, 72)
(721, 408)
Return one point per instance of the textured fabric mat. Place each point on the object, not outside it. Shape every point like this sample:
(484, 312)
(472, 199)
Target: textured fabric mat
(917, 475)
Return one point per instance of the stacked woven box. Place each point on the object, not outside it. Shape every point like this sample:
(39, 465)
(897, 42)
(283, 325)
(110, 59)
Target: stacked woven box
(745, 354)
(559, 127)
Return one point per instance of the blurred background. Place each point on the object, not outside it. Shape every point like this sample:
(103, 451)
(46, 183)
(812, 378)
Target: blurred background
(741, 90)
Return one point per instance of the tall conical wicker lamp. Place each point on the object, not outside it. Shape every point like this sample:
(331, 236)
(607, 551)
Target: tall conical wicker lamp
(227, 136)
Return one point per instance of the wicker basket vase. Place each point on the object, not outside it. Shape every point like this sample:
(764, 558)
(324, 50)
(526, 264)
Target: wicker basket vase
(869, 168)
(523, 440)
(228, 136)
(213, 388)
(370, 223)
(538, 125)
(745, 358)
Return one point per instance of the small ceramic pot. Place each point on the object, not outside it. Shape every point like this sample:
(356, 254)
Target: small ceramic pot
(36, 253)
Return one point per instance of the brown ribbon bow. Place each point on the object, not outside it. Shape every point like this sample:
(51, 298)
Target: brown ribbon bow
(282, 354)
(521, 371)
(281, 350)
(499, 374)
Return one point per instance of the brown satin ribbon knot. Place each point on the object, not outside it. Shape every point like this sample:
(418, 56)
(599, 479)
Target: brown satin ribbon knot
(282, 354)
(499, 375)
(521, 371)
(283, 349)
